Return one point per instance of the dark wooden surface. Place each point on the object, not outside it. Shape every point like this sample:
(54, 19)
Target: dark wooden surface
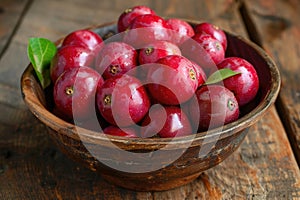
(265, 165)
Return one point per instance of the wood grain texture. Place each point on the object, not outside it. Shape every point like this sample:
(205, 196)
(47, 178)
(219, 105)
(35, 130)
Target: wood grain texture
(10, 14)
(31, 167)
(277, 26)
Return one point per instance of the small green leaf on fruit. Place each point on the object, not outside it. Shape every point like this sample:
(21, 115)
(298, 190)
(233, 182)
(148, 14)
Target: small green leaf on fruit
(40, 52)
(220, 75)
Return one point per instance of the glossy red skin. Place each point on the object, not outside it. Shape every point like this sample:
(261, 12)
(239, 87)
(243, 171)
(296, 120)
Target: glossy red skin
(116, 58)
(200, 74)
(69, 57)
(173, 81)
(145, 29)
(83, 81)
(215, 106)
(124, 132)
(181, 30)
(85, 38)
(128, 16)
(129, 102)
(156, 50)
(211, 45)
(245, 85)
(212, 30)
(175, 124)
(205, 50)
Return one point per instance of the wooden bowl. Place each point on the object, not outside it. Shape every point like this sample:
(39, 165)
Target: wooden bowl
(122, 160)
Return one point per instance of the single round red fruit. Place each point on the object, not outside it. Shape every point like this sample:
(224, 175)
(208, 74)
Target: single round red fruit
(75, 91)
(205, 50)
(181, 30)
(173, 80)
(124, 132)
(215, 106)
(156, 50)
(122, 101)
(212, 30)
(84, 38)
(145, 29)
(69, 57)
(129, 14)
(244, 85)
(166, 122)
(116, 58)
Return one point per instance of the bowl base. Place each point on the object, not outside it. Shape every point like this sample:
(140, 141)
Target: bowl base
(147, 186)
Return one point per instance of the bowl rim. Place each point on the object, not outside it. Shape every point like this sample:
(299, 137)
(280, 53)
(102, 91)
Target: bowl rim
(37, 107)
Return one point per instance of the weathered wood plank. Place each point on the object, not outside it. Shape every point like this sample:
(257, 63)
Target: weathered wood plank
(28, 161)
(31, 167)
(10, 13)
(262, 168)
(278, 30)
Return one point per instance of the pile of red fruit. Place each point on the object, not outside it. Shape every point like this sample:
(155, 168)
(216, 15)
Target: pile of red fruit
(152, 82)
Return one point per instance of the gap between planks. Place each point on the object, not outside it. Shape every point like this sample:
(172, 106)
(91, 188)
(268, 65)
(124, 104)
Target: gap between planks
(255, 37)
(15, 29)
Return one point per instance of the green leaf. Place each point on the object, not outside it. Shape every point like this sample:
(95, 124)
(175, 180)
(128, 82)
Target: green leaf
(40, 52)
(220, 75)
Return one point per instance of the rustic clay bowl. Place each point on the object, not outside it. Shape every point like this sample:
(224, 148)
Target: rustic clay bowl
(105, 155)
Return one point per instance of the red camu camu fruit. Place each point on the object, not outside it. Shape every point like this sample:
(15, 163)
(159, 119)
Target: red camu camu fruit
(244, 85)
(152, 52)
(145, 29)
(173, 80)
(122, 101)
(116, 58)
(129, 14)
(166, 122)
(205, 50)
(79, 48)
(215, 106)
(181, 30)
(212, 30)
(74, 92)
(84, 38)
(69, 57)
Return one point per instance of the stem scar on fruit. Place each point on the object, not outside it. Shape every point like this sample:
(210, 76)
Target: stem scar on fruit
(149, 50)
(128, 10)
(69, 90)
(230, 104)
(218, 45)
(107, 99)
(192, 74)
(216, 27)
(114, 69)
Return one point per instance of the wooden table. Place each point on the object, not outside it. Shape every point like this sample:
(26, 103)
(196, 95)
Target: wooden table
(265, 165)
